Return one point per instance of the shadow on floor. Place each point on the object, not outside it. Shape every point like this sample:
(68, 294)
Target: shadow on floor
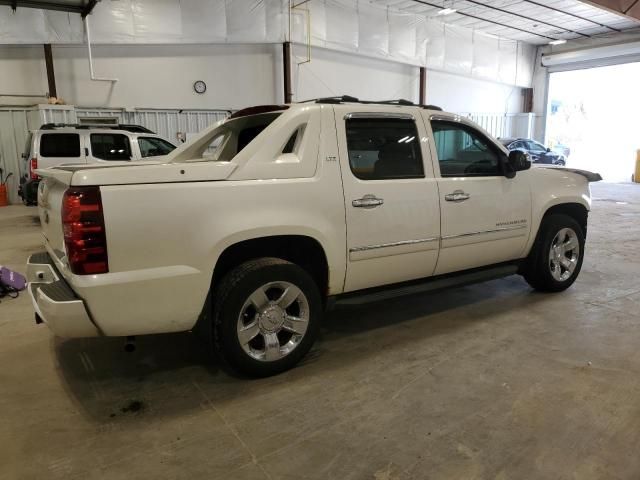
(173, 374)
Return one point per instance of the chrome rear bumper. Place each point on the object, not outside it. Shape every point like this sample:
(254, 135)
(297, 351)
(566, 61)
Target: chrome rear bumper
(55, 302)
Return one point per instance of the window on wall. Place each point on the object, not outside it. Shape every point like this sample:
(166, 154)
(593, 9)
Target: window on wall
(60, 145)
(384, 148)
(110, 146)
(463, 151)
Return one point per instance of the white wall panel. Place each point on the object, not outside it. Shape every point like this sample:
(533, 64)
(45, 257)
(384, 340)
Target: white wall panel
(486, 56)
(435, 44)
(246, 21)
(342, 25)
(112, 22)
(508, 63)
(157, 21)
(203, 21)
(403, 36)
(333, 73)
(526, 64)
(373, 32)
(458, 49)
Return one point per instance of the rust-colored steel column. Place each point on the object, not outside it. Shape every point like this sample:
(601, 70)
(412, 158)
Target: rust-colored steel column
(527, 100)
(423, 86)
(51, 77)
(286, 63)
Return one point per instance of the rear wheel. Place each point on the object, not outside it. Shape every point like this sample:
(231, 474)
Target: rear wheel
(266, 316)
(556, 258)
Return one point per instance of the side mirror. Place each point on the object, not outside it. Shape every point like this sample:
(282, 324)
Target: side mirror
(518, 161)
(548, 149)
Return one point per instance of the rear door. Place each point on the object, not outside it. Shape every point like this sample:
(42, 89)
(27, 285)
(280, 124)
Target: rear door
(108, 146)
(58, 147)
(391, 197)
(486, 216)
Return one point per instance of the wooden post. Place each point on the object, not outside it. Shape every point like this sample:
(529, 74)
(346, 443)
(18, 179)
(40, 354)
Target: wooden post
(423, 86)
(286, 63)
(51, 76)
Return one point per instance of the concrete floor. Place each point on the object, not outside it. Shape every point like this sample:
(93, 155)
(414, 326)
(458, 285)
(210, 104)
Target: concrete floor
(487, 381)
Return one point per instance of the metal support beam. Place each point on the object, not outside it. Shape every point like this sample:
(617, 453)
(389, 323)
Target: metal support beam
(51, 76)
(527, 100)
(422, 99)
(89, 8)
(286, 64)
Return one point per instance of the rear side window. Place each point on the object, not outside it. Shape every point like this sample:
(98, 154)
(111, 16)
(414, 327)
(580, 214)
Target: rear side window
(110, 146)
(60, 145)
(151, 146)
(384, 148)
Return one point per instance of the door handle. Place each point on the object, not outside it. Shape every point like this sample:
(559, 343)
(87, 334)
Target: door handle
(368, 201)
(457, 196)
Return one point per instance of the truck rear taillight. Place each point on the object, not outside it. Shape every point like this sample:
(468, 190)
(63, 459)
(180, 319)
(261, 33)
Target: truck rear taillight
(33, 165)
(84, 232)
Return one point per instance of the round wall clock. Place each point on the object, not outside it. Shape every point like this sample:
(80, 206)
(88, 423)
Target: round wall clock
(200, 87)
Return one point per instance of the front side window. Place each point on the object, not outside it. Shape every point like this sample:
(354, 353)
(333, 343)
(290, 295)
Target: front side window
(384, 148)
(60, 145)
(152, 146)
(464, 152)
(535, 147)
(110, 146)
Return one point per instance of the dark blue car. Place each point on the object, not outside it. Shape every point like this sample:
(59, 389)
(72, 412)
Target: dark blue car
(538, 152)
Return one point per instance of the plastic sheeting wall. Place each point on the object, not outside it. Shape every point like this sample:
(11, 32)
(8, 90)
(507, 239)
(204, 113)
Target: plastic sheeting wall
(347, 25)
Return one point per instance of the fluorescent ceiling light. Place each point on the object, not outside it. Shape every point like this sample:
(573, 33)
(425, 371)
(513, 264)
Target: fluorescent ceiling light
(446, 11)
(560, 41)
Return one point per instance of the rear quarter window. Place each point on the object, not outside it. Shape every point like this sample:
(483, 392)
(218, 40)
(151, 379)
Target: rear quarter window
(60, 145)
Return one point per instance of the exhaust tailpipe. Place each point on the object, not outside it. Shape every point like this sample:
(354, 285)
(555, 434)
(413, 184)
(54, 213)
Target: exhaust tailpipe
(130, 344)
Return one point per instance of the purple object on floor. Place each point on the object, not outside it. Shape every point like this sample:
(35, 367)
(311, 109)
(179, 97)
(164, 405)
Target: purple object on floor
(11, 279)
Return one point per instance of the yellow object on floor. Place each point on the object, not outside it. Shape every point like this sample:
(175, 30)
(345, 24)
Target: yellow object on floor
(636, 176)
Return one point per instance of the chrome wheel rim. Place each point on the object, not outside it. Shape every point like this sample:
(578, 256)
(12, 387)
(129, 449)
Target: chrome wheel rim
(564, 254)
(273, 321)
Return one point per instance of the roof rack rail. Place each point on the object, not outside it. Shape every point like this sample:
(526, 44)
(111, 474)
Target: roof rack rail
(350, 99)
(123, 126)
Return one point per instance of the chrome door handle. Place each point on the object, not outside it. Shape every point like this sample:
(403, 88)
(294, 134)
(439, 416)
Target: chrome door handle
(368, 201)
(457, 196)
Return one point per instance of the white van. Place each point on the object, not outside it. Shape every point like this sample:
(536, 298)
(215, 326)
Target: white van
(56, 144)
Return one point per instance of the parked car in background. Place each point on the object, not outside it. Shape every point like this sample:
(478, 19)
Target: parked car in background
(56, 144)
(537, 152)
(561, 149)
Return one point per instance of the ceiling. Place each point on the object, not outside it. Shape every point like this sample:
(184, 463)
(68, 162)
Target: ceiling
(531, 21)
(83, 7)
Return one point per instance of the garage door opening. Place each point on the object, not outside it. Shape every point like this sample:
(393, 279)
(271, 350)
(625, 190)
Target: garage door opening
(593, 119)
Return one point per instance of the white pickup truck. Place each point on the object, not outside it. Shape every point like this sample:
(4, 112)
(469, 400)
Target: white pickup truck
(251, 230)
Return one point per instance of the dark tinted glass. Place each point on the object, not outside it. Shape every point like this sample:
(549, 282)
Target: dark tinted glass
(110, 146)
(463, 152)
(151, 146)
(60, 145)
(384, 148)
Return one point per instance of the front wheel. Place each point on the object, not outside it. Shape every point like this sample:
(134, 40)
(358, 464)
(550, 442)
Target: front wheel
(556, 257)
(266, 316)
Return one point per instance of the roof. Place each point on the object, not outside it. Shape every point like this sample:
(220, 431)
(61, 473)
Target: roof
(83, 7)
(531, 21)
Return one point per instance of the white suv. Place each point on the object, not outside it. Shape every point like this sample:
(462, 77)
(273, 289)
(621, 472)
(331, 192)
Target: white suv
(57, 144)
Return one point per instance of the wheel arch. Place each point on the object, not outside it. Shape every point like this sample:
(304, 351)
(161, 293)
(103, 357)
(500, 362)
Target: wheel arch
(301, 249)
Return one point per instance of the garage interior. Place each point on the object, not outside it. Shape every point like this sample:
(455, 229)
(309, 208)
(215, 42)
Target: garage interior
(491, 380)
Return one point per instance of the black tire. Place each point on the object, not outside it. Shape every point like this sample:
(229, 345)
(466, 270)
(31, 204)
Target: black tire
(538, 271)
(231, 295)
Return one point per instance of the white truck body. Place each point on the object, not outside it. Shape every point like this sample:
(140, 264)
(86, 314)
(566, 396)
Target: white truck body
(169, 221)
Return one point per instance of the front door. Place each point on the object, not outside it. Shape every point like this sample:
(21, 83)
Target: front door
(391, 196)
(486, 216)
